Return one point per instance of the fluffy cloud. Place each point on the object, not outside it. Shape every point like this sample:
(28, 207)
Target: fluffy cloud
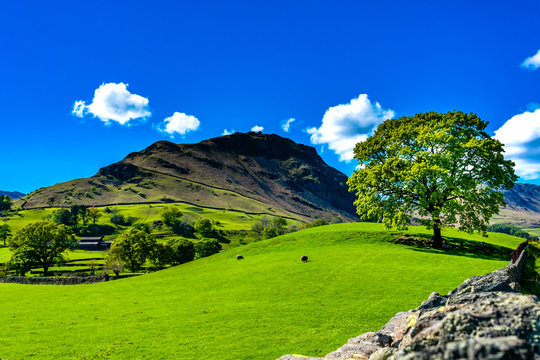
(521, 138)
(180, 123)
(343, 126)
(227, 132)
(286, 124)
(113, 102)
(532, 62)
(257, 128)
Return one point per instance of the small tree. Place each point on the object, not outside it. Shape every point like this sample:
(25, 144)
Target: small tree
(204, 227)
(143, 227)
(133, 247)
(183, 228)
(94, 214)
(182, 251)
(207, 247)
(63, 217)
(5, 232)
(42, 242)
(170, 215)
(160, 255)
(443, 167)
(114, 263)
(5, 203)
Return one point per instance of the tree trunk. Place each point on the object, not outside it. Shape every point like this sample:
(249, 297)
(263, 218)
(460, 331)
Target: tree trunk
(437, 237)
(45, 269)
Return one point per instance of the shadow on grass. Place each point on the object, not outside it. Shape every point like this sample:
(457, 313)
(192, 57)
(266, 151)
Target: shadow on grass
(454, 246)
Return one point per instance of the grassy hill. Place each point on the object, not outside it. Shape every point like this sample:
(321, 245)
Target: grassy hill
(260, 308)
(252, 172)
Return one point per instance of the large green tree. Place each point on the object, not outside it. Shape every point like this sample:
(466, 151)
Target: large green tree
(443, 168)
(133, 247)
(42, 242)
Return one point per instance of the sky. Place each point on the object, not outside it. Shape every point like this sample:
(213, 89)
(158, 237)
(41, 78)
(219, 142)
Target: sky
(84, 83)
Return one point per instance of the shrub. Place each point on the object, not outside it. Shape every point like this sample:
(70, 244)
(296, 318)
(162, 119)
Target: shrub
(170, 215)
(204, 227)
(207, 247)
(160, 255)
(182, 251)
(183, 229)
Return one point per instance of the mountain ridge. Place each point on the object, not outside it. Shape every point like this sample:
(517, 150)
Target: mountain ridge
(255, 172)
(12, 194)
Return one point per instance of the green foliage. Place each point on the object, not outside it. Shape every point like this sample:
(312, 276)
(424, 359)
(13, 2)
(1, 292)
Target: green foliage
(268, 227)
(133, 247)
(511, 230)
(94, 214)
(114, 263)
(443, 167)
(5, 232)
(5, 203)
(63, 217)
(170, 215)
(207, 247)
(182, 251)
(42, 242)
(78, 211)
(315, 223)
(119, 219)
(160, 255)
(183, 228)
(204, 227)
(143, 227)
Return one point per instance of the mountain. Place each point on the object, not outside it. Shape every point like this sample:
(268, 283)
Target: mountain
(523, 206)
(12, 194)
(252, 172)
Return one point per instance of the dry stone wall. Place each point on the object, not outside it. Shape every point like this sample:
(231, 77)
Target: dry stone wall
(484, 318)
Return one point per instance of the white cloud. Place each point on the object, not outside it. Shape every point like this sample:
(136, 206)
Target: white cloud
(227, 132)
(180, 123)
(78, 108)
(343, 126)
(257, 128)
(286, 124)
(532, 62)
(521, 138)
(113, 102)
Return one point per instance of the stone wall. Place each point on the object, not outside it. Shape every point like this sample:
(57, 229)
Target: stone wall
(42, 280)
(484, 318)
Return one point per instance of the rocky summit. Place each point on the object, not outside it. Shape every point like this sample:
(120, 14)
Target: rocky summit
(484, 318)
(252, 172)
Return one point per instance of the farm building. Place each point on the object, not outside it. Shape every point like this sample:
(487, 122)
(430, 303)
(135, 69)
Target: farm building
(93, 243)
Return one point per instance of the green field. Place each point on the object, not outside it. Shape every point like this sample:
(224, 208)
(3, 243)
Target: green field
(262, 307)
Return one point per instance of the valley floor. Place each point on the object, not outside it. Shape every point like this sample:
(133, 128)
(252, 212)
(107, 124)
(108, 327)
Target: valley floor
(259, 308)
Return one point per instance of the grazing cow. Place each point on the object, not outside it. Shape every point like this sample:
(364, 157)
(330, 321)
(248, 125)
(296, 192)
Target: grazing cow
(303, 258)
(239, 257)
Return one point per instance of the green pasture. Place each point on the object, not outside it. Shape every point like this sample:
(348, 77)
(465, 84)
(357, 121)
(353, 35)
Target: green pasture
(147, 213)
(262, 307)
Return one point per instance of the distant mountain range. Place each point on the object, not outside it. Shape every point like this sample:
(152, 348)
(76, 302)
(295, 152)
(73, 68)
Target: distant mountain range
(252, 172)
(523, 206)
(12, 194)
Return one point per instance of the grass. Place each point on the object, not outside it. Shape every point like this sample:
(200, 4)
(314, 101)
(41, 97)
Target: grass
(262, 307)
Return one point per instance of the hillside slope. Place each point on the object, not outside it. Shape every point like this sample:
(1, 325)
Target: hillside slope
(255, 172)
(259, 308)
(523, 207)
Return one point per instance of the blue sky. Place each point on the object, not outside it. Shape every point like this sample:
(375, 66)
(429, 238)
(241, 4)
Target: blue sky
(337, 68)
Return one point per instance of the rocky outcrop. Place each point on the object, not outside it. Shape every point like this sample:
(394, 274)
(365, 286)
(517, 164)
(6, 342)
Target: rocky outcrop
(484, 318)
